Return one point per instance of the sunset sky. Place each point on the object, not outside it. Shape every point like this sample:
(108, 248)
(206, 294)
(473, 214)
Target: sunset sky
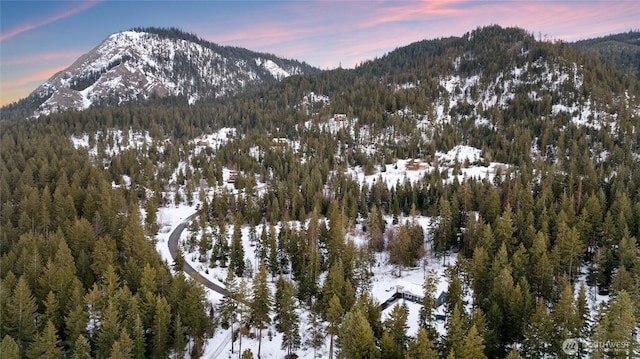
(40, 38)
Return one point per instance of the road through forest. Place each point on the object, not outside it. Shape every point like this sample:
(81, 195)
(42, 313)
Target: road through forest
(187, 268)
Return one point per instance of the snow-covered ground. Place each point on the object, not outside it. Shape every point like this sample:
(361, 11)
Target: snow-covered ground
(114, 142)
(469, 158)
(215, 140)
(384, 282)
(383, 286)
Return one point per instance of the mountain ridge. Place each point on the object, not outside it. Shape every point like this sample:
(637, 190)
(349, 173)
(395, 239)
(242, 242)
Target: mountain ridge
(230, 70)
(142, 63)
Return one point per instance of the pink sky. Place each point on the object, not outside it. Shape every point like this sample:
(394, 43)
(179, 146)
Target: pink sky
(325, 34)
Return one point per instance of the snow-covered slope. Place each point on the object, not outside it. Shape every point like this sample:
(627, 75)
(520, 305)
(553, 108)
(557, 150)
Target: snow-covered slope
(138, 64)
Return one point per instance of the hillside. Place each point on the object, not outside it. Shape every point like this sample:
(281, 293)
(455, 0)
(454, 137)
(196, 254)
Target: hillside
(149, 62)
(502, 170)
(622, 49)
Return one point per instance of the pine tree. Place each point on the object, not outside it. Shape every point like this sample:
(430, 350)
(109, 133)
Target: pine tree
(510, 300)
(104, 254)
(371, 309)
(617, 326)
(228, 307)
(46, 345)
(472, 346)
(520, 262)
(159, 343)
(204, 244)
(622, 279)
(236, 261)
(362, 271)
(109, 330)
(21, 312)
(355, 338)
(540, 271)
(334, 316)
(538, 335)
(513, 354)
(334, 284)
(263, 244)
(121, 348)
(504, 229)
(76, 324)
(93, 301)
(81, 348)
(480, 279)
(479, 319)
(388, 348)
(487, 240)
(133, 240)
(349, 295)
(565, 318)
(260, 303)
(221, 246)
(179, 337)
(190, 305)
(247, 354)
(137, 334)
(430, 302)
(253, 235)
(399, 250)
(628, 252)
(282, 245)
(9, 348)
(179, 261)
(151, 218)
(421, 347)
(455, 331)
(396, 326)
(315, 330)
(376, 230)
(335, 236)
(568, 248)
(583, 316)
(52, 310)
(273, 252)
(443, 232)
(308, 288)
(454, 292)
(243, 312)
(148, 290)
(288, 323)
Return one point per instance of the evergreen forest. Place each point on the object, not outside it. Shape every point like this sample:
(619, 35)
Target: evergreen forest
(555, 224)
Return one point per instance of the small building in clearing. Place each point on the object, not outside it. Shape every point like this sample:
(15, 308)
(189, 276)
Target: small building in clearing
(280, 142)
(416, 165)
(340, 116)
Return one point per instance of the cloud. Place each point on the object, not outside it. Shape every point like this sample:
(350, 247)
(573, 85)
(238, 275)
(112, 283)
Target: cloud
(412, 11)
(82, 6)
(41, 76)
(14, 90)
(261, 35)
(38, 58)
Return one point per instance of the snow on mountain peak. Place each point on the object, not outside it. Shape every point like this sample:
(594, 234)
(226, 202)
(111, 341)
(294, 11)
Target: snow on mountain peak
(133, 65)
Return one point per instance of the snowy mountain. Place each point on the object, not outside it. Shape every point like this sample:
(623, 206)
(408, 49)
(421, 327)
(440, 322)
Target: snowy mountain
(141, 63)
